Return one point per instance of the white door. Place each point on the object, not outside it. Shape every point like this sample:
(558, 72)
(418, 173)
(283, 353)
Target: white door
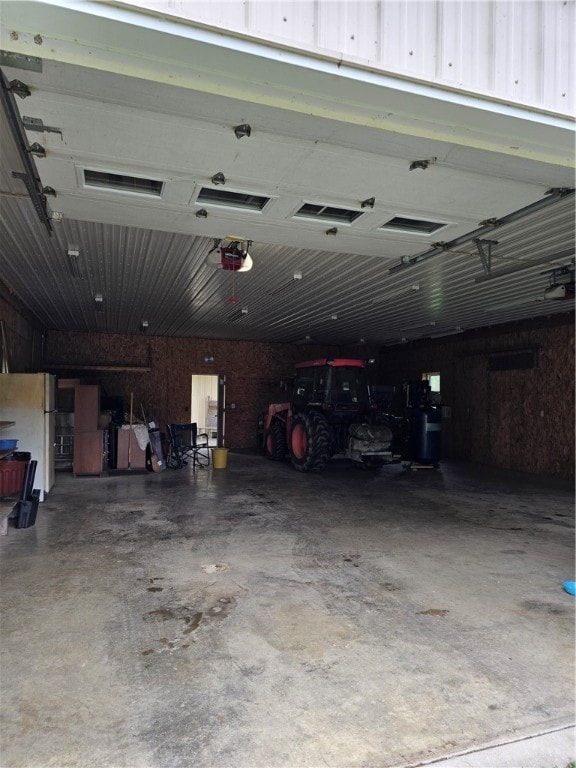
(204, 406)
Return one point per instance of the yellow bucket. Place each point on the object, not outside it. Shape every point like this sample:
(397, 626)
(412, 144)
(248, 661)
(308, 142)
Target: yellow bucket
(219, 458)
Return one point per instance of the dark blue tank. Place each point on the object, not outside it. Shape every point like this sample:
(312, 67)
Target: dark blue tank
(425, 432)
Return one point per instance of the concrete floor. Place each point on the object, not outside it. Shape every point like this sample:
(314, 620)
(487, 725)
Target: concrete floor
(254, 617)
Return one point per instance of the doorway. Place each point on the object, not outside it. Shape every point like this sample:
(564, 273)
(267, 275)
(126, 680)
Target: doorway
(205, 409)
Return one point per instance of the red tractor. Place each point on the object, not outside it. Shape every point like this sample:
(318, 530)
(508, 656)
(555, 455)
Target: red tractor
(330, 414)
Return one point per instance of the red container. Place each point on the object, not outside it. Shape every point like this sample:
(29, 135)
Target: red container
(12, 476)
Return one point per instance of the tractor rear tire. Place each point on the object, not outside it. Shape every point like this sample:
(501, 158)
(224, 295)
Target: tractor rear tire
(309, 442)
(275, 442)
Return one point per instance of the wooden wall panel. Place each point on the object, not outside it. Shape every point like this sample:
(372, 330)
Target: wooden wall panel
(521, 419)
(253, 371)
(23, 334)
(517, 419)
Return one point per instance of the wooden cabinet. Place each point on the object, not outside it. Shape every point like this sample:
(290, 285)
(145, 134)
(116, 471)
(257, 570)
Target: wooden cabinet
(88, 439)
(129, 454)
(88, 453)
(86, 407)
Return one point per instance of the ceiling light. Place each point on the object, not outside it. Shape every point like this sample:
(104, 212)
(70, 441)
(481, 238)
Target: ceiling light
(99, 302)
(297, 276)
(557, 291)
(144, 326)
(242, 130)
(56, 216)
(238, 314)
(334, 317)
(73, 254)
(219, 178)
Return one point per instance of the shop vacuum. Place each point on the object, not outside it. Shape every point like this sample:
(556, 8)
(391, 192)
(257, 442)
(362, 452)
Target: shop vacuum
(26, 509)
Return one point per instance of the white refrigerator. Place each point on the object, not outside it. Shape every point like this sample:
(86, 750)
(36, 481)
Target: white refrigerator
(28, 400)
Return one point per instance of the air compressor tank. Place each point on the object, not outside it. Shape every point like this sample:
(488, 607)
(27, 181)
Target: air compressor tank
(425, 433)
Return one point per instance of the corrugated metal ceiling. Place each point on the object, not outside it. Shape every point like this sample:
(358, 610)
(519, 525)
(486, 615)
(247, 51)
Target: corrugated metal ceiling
(163, 278)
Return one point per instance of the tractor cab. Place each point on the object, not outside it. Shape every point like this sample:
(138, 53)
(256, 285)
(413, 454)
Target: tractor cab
(336, 387)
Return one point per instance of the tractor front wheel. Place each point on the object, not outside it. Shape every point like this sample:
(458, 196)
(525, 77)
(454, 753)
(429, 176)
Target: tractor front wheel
(309, 442)
(275, 442)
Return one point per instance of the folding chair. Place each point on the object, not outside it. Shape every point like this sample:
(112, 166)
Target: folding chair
(185, 445)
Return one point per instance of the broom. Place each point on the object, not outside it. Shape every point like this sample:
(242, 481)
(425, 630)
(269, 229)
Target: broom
(130, 432)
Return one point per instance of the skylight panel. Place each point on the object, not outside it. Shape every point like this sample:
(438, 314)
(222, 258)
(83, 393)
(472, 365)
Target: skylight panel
(417, 226)
(328, 213)
(230, 199)
(122, 182)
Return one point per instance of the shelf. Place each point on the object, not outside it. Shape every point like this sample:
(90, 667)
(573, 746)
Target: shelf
(120, 368)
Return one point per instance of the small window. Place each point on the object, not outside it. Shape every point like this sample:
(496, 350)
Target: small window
(327, 213)
(232, 199)
(418, 226)
(433, 380)
(117, 181)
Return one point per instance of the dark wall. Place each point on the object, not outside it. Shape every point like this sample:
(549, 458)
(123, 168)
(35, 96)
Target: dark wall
(519, 419)
(22, 334)
(253, 372)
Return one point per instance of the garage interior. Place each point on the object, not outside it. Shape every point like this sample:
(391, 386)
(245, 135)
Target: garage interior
(253, 615)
